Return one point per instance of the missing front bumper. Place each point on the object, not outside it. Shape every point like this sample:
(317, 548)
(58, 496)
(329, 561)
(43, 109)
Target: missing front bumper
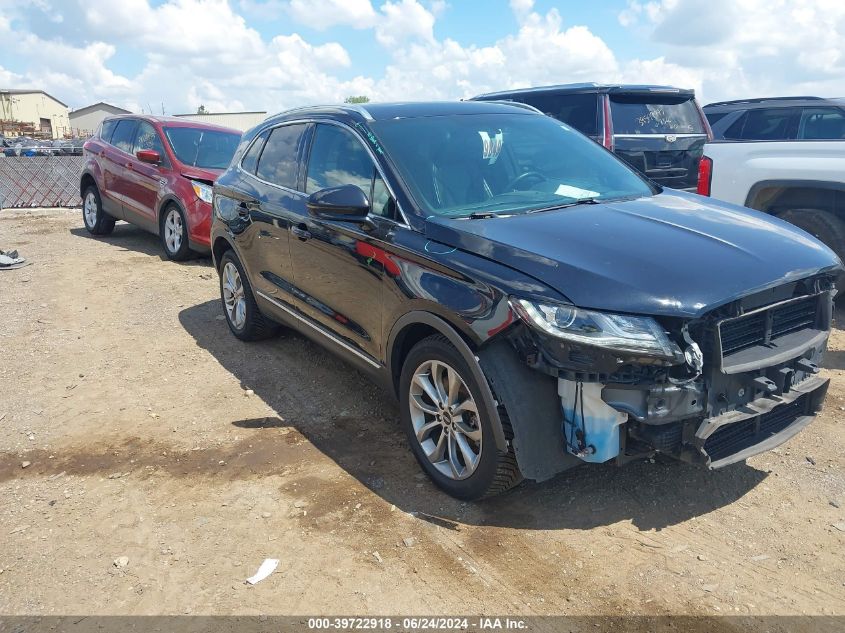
(756, 427)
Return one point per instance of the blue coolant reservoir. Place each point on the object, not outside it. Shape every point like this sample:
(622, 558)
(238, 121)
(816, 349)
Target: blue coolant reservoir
(599, 425)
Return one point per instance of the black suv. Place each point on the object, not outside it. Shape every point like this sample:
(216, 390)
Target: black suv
(660, 130)
(778, 119)
(532, 301)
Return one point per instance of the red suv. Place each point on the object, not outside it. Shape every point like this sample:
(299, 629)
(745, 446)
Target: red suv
(156, 173)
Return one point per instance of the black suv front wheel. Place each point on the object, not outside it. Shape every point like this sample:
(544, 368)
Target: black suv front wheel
(448, 425)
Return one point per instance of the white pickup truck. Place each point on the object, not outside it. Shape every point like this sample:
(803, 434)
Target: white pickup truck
(802, 182)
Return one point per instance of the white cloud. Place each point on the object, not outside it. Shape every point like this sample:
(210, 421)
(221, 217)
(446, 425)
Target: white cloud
(194, 52)
(750, 48)
(404, 21)
(322, 14)
(521, 8)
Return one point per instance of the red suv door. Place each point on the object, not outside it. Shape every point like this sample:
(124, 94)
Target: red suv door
(116, 159)
(143, 179)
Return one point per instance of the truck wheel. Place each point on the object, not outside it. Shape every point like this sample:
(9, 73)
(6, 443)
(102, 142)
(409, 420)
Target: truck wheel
(97, 221)
(245, 320)
(825, 227)
(448, 425)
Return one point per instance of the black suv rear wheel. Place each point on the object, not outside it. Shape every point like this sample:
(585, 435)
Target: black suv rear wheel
(242, 314)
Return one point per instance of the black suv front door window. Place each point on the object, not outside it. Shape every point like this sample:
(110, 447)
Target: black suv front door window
(337, 158)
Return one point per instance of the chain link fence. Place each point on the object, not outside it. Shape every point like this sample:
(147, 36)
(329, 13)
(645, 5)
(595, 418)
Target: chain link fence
(40, 181)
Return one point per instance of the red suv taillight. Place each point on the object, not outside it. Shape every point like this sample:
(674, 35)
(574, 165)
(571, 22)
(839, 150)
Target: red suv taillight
(705, 175)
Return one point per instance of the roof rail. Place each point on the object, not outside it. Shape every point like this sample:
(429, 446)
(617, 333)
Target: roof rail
(353, 107)
(524, 106)
(763, 100)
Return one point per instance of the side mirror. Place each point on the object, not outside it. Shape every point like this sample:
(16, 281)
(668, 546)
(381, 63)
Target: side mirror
(148, 156)
(347, 202)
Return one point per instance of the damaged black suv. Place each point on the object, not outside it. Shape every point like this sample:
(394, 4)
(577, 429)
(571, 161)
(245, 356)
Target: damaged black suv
(530, 299)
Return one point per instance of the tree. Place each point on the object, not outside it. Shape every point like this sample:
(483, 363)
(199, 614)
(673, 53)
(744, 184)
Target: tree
(358, 99)
(202, 110)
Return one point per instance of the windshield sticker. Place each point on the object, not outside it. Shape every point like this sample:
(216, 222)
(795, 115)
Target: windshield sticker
(575, 192)
(491, 147)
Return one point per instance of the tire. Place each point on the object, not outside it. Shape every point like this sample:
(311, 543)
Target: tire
(97, 221)
(173, 231)
(236, 295)
(826, 227)
(491, 471)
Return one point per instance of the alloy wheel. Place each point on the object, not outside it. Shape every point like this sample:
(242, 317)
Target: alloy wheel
(173, 230)
(89, 208)
(445, 419)
(233, 295)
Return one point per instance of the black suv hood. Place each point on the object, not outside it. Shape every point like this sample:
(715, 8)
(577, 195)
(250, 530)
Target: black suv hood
(672, 254)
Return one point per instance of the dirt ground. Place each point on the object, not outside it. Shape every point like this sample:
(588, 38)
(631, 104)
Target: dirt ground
(151, 433)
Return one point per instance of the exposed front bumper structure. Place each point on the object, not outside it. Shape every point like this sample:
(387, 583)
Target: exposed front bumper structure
(757, 387)
(756, 427)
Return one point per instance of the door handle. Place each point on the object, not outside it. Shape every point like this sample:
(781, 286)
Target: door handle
(129, 166)
(301, 231)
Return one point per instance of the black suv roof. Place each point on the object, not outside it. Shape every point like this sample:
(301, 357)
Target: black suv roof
(407, 110)
(590, 87)
(769, 102)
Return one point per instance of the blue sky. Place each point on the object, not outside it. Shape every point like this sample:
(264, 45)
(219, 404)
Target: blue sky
(274, 54)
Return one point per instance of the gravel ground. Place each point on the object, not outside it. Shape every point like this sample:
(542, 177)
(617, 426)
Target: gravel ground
(149, 462)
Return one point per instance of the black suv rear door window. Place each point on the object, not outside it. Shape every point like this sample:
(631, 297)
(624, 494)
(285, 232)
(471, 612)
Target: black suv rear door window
(124, 135)
(279, 161)
(250, 160)
(822, 124)
(337, 158)
(578, 110)
(654, 114)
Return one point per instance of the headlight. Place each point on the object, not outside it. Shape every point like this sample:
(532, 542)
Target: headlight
(618, 332)
(202, 190)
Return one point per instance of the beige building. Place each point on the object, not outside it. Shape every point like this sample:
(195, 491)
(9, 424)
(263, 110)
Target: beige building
(85, 121)
(28, 112)
(238, 120)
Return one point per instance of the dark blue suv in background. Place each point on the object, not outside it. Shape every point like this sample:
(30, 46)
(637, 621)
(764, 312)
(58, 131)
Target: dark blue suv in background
(659, 130)
(531, 300)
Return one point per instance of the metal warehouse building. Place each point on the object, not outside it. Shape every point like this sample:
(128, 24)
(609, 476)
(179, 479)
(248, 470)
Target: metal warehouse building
(238, 120)
(85, 121)
(27, 112)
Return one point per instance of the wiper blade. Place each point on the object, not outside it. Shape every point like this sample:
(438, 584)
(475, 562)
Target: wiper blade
(482, 215)
(565, 205)
(582, 201)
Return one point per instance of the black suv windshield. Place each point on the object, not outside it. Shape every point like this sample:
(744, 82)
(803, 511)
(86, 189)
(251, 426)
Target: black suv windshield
(461, 165)
(210, 149)
(650, 114)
